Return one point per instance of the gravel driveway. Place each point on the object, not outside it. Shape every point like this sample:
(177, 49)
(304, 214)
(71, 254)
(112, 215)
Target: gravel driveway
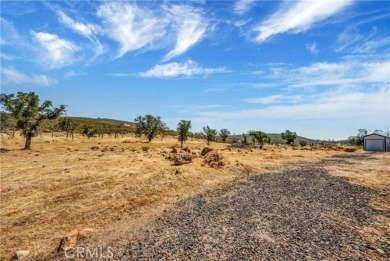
(300, 213)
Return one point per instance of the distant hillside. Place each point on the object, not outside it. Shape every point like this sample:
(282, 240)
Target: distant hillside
(111, 121)
(277, 138)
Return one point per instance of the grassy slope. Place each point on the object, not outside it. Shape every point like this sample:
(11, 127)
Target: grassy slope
(277, 138)
(112, 121)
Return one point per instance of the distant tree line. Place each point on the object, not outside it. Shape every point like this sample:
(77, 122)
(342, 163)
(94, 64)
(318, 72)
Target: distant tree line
(25, 113)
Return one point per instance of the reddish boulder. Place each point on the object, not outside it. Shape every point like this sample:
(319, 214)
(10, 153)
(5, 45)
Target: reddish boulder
(182, 158)
(186, 149)
(214, 159)
(205, 151)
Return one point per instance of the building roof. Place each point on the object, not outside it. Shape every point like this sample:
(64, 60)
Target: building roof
(376, 135)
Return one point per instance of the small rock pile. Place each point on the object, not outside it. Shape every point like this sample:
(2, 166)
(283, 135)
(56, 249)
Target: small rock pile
(205, 151)
(182, 158)
(331, 147)
(213, 158)
(72, 238)
(350, 149)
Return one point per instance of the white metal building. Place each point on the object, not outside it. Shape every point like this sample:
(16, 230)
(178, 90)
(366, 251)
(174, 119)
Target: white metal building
(376, 142)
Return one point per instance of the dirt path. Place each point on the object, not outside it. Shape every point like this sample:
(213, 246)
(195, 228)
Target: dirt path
(300, 213)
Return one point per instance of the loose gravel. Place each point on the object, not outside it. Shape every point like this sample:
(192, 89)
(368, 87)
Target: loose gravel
(302, 213)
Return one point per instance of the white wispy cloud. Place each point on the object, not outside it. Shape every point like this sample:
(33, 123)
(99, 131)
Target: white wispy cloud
(371, 46)
(242, 6)
(277, 98)
(172, 70)
(355, 42)
(85, 29)
(143, 28)
(73, 73)
(10, 75)
(7, 57)
(132, 27)
(296, 17)
(326, 106)
(190, 26)
(378, 72)
(312, 48)
(354, 72)
(346, 39)
(120, 74)
(54, 51)
(199, 106)
(9, 33)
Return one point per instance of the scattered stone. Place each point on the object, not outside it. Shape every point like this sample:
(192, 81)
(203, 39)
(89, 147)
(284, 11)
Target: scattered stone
(182, 158)
(85, 232)
(72, 238)
(175, 150)
(214, 159)
(169, 157)
(205, 151)
(350, 149)
(145, 148)
(95, 148)
(20, 255)
(68, 241)
(380, 251)
(186, 149)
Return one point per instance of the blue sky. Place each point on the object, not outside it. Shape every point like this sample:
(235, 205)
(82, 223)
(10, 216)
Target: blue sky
(320, 68)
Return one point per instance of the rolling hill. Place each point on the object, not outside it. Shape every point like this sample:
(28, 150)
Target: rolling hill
(105, 120)
(277, 138)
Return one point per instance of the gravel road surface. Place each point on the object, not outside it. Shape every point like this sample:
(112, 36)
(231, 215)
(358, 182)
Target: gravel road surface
(302, 213)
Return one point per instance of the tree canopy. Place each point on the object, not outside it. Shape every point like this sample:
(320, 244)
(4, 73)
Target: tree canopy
(260, 137)
(224, 134)
(289, 136)
(28, 113)
(183, 129)
(148, 125)
(209, 134)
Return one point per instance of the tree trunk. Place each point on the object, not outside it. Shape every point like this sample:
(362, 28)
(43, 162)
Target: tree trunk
(27, 146)
(181, 145)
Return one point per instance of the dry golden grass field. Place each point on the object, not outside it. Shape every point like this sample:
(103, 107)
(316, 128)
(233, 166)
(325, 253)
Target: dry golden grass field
(108, 185)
